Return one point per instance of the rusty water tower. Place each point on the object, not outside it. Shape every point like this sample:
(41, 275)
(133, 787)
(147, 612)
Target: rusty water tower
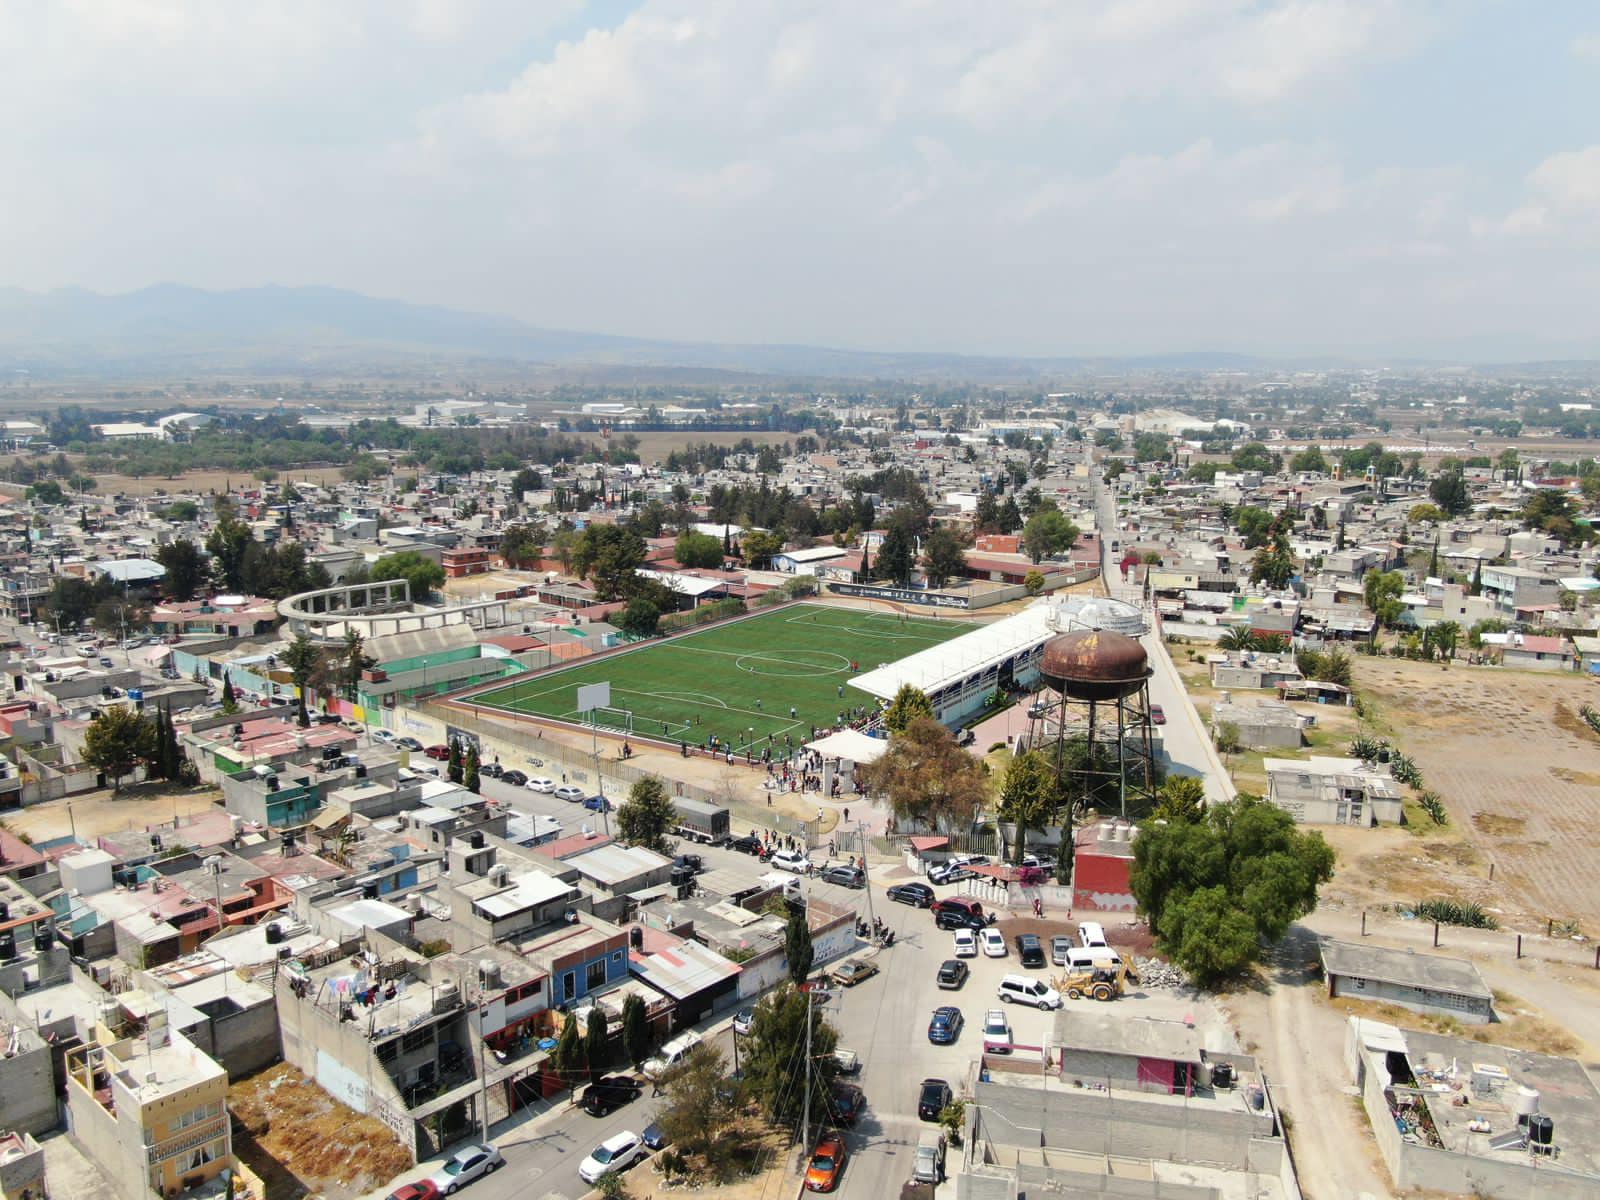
(1096, 695)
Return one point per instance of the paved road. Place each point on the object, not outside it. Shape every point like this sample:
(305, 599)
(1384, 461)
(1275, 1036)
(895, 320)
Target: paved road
(1184, 737)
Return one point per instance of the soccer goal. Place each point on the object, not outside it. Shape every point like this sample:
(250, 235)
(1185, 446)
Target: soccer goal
(612, 718)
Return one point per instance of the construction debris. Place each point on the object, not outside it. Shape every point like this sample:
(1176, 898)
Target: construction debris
(1157, 973)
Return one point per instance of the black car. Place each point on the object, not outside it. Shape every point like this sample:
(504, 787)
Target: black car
(846, 1102)
(852, 877)
(492, 769)
(690, 862)
(609, 1093)
(514, 778)
(954, 918)
(746, 845)
(933, 1099)
(952, 974)
(918, 895)
(1030, 950)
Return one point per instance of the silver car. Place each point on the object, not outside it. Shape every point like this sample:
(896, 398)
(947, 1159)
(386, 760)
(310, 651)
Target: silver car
(1060, 946)
(465, 1166)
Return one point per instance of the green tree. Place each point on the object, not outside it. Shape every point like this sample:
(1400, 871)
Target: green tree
(1254, 524)
(596, 1046)
(635, 1029)
(113, 741)
(1425, 514)
(1448, 491)
(521, 545)
(230, 701)
(353, 661)
(608, 556)
(909, 704)
(226, 545)
(895, 556)
(758, 547)
(568, 1057)
(1256, 864)
(1033, 583)
(71, 600)
(1310, 460)
(1382, 591)
(944, 556)
(1446, 637)
(700, 1112)
(640, 617)
(422, 574)
(1029, 797)
(1237, 637)
(695, 549)
(302, 658)
(471, 779)
(185, 568)
(1274, 562)
(1254, 456)
(1048, 533)
(647, 815)
(48, 493)
(455, 762)
(775, 1058)
(1182, 798)
(797, 946)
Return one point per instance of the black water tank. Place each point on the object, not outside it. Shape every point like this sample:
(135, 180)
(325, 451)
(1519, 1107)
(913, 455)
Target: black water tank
(8, 946)
(5, 911)
(1541, 1129)
(274, 933)
(43, 936)
(1222, 1076)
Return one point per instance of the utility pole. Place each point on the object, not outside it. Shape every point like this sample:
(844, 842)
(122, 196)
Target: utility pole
(866, 882)
(805, 1115)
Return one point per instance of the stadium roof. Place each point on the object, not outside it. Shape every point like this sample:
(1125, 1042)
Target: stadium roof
(939, 666)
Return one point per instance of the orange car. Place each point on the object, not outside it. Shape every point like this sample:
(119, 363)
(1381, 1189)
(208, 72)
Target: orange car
(826, 1163)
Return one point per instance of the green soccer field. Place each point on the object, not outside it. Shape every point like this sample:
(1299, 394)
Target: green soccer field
(737, 680)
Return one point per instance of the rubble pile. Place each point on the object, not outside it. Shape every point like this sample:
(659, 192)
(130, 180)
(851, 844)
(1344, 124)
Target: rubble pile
(1154, 972)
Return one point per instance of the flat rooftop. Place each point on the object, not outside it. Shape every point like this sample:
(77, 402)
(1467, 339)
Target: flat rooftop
(1434, 972)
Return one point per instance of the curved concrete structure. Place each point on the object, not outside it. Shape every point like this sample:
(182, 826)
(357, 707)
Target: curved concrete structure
(378, 609)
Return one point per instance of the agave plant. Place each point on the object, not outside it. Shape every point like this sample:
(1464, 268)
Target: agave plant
(1433, 804)
(1367, 748)
(1405, 771)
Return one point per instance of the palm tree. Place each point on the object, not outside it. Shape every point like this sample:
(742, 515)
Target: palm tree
(1237, 637)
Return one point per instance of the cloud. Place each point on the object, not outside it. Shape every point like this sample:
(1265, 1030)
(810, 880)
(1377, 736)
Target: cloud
(1562, 196)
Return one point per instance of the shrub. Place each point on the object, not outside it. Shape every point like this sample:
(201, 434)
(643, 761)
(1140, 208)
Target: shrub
(1432, 804)
(1456, 912)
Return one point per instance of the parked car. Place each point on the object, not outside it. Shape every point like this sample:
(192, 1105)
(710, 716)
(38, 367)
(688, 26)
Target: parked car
(928, 1165)
(1025, 989)
(568, 792)
(963, 904)
(965, 943)
(1157, 715)
(996, 1032)
(617, 1153)
(422, 1189)
(853, 972)
(827, 1162)
(791, 860)
(847, 1061)
(851, 877)
(383, 735)
(106, 662)
(411, 743)
(952, 974)
(654, 1138)
(945, 1026)
(1060, 947)
(595, 803)
(846, 1103)
(744, 1021)
(491, 770)
(956, 919)
(670, 1055)
(993, 943)
(440, 753)
(948, 872)
(918, 895)
(932, 1099)
(609, 1093)
(745, 845)
(514, 777)
(465, 1166)
(541, 783)
(1030, 950)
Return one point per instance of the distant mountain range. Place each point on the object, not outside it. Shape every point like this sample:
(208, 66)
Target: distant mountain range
(175, 328)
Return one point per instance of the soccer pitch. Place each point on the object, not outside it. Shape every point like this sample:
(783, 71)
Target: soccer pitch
(737, 680)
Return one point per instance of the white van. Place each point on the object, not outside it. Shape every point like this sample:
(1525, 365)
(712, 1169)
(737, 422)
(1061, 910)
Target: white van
(1024, 989)
(1091, 934)
(671, 1055)
(1086, 958)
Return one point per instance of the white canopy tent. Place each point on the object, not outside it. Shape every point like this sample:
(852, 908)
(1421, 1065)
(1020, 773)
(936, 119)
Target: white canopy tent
(850, 746)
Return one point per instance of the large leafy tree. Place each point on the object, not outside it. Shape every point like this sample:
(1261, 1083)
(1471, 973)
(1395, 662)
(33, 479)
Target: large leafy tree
(607, 556)
(226, 545)
(1274, 562)
(641, 617)
(420, 572)
(944, 556)
(776, 1061)
(113, 742)
(910, 703)
(1030, 797)
(1243, 866)
(353, 660)
(185, 567)
(1047, 533)
(521, 545)
(1382, 590)
(1448, 490)
(758, 547)
(696, 549)
(928, 778)
(647, 815)
(701, 1110)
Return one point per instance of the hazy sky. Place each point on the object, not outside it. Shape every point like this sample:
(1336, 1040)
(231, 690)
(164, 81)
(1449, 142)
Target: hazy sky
(1056, 176)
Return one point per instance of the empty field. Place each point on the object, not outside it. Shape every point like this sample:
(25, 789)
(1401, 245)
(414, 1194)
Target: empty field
(777, 675)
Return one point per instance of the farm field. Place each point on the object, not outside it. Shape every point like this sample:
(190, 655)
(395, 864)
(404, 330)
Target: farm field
(1519, 771)
(739, 681)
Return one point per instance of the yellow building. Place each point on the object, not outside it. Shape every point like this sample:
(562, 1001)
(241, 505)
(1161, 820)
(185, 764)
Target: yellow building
(152, 1111)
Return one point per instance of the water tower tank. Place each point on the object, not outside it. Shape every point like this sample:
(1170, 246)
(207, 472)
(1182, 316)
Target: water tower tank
(1524, 1103)
(1094, 665)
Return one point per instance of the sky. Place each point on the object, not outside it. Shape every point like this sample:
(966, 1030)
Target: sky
(1040, 177)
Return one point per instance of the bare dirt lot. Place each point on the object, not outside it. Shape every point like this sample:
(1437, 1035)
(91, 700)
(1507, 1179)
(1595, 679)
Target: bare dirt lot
(202, 482)
(1517, 768)
(94, 814)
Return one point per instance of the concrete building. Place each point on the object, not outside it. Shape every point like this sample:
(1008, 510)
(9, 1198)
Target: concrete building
(21, 1167)
(27, 1082)
(151, 1111)
(1262, 725)
(1102, 866)
(1457, 1116)
(1333, 791)
(1425, 983)
(1511, 588)
(1250, 670)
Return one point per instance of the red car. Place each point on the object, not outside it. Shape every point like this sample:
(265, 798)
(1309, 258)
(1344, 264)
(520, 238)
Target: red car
(827, 1161)
(422, 1189)
(438, 752)
(1157, 716)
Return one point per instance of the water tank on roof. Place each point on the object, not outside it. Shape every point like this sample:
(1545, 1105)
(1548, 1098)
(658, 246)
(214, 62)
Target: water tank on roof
(1524, 1103)
(1541, 1130)
(488, 973)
